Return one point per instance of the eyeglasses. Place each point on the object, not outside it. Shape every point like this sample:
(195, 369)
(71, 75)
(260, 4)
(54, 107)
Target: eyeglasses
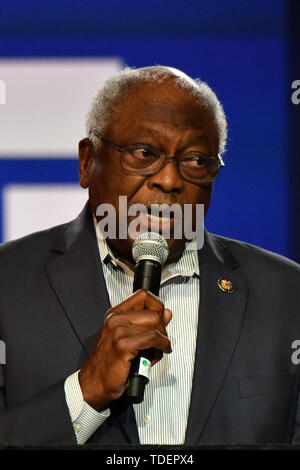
(142, 159)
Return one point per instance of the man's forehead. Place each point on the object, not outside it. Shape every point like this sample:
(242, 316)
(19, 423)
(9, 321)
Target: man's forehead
(152, 128)
(151, 113)
(166, 108)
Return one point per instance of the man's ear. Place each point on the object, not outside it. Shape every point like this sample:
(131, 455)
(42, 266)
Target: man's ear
(85, 154)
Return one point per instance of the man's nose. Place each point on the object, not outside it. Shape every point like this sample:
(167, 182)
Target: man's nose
(168, 178)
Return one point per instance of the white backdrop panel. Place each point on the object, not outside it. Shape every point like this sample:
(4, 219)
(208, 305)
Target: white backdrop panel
(29, 208)
(46, 104)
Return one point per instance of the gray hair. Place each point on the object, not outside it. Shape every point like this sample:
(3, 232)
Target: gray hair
(118, 86)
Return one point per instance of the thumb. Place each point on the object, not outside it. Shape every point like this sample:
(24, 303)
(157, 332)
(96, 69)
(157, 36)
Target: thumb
(167, 316)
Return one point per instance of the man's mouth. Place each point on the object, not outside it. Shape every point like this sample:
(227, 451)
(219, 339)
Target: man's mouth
(157, 221)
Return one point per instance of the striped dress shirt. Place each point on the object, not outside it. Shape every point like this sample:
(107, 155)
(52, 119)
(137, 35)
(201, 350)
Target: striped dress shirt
(162, 416)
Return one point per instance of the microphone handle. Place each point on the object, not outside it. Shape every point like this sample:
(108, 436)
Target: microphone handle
(147, 275)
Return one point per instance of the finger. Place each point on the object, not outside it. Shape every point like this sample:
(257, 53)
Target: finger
(156, 356)
(167, 316)
(138, 339)
(122, 331)
(142, 299)
(108, 315)
(150, 318)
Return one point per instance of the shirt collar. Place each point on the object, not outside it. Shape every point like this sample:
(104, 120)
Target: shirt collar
(186, 266)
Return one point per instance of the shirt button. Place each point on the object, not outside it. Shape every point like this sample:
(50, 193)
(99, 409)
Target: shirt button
(77, 427)
(147, 419)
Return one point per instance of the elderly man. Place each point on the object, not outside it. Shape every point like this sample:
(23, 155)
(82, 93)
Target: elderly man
(222, 331)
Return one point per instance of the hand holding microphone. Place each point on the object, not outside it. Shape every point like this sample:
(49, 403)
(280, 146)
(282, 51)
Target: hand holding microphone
(135, 325)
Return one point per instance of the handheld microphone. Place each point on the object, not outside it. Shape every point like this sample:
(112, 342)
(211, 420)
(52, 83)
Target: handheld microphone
(149, 251)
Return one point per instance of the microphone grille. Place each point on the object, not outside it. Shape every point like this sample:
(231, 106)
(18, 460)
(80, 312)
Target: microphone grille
(150, 245)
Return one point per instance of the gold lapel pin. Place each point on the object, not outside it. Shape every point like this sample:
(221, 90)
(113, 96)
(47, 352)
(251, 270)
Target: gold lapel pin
(226, 285)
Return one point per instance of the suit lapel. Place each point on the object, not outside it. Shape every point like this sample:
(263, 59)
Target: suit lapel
(220, 318)
(76, 275)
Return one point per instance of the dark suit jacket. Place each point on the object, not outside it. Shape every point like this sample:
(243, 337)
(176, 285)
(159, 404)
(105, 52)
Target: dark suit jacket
(53, 298)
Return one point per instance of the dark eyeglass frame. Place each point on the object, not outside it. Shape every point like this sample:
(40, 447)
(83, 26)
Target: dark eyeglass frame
(174, 158)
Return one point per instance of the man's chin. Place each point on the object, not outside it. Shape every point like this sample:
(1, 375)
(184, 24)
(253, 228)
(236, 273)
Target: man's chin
(176, 248)
(123, 247)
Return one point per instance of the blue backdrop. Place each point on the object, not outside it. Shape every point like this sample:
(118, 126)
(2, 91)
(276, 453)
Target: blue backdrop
(239, 48)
